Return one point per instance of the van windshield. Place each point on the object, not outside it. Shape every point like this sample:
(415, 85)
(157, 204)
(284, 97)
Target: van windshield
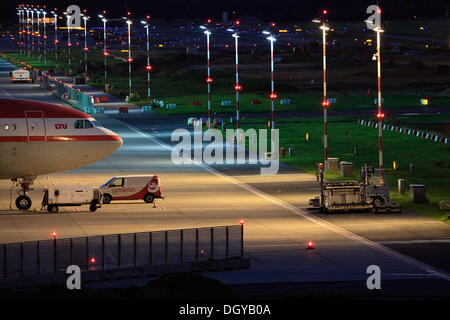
(107, 183)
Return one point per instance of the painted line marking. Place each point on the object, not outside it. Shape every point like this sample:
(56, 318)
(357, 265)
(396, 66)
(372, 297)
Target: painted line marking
(347, 234)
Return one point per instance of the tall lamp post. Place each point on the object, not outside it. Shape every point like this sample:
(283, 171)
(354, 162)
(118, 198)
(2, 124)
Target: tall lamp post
(19, 13)
(69, 44)
(325, 103)
(44, 13)
(55, 15)
(32, 30)
(105, 53)
(148, 66)
(208, 66)
(85, 48)
(28, 31)
(130, 59)
(273, 95)
(380, 114)
(237, 86)
(38, 12)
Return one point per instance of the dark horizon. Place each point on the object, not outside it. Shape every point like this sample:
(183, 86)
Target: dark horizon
(279, 11)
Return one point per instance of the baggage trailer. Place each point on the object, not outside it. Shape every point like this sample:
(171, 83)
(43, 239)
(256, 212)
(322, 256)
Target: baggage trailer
(68, 197)
(371, 193)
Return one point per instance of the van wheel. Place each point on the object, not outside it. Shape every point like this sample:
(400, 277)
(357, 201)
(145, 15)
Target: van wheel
(52, 208)
(23, 203)
(107, 198)
(149, 198)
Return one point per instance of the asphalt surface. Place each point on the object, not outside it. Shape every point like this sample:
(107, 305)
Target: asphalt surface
(276, 225)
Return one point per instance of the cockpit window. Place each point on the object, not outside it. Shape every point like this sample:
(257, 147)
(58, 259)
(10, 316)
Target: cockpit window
(79, 124)
(96, 123)
(88, 124)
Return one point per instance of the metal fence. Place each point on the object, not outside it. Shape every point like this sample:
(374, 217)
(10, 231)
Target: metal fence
(113, 251)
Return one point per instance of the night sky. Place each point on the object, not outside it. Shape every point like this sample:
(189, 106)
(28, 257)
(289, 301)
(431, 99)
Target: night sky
(275, 10)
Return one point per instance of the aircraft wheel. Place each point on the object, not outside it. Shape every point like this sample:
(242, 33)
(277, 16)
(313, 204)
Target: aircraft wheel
(149, 198)
(93, 206)
(23, 203)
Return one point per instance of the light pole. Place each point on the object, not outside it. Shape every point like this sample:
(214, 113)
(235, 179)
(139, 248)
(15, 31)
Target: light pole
(325, 103)
(237, 86)
(19, 13)
(32, 30)
(105, 53)
(130, 59)
(69, 44)
(380, 114)
(55, 15)
(148, 67)
(85, 49)
(45, 36)
(208, 79)
(38, 12)
(28, 32)
(273, 95)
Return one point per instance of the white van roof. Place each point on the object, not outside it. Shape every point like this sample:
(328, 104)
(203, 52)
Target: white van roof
(136, 176)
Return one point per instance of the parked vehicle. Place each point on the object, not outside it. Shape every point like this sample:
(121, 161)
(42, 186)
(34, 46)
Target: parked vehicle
(67, 196)
(21, 75)
(137, 187)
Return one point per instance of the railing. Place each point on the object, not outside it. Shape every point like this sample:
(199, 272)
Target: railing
(114, 251)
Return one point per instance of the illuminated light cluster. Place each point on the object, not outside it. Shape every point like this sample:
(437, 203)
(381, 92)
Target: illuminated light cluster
(92, 260)
(237, 87)
(237, 22)
(325, 104)
(105, 53)
(241, 222)
(53, 235)
(309, 245)
(273, 96)
(380, 115)
(130, 59)
(69, 44)
(209, 80)
(56, 41)
(149, 67)
(86, 49)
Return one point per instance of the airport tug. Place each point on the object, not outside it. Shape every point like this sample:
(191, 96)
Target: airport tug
(371, 193)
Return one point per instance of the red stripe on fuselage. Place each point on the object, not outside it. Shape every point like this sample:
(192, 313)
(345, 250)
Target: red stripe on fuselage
(61, 138)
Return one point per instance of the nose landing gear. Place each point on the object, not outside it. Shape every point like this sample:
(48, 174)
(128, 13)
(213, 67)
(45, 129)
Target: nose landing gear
(23, 201)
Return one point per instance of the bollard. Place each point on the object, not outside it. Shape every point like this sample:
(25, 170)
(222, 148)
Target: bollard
(291, 151)
(401, 184)
(411, 168)
(282, 151)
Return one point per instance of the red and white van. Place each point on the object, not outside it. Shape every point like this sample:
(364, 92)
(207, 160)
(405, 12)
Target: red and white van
(142, 187)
